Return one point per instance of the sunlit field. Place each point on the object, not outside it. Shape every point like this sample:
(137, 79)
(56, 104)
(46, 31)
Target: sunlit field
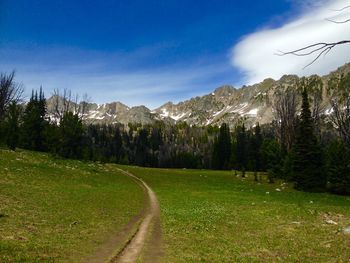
(63, 210)
(214, 216)
(60, 210)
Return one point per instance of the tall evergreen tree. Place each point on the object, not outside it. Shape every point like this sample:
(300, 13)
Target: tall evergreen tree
(241, 148)
(12, 125)
(32, 132)
(71, 135)
(338, 168)
(222, 148)
(256, 150)
(52, 138)
(117, 145)
(142, 148)
(307, 154)
(271, 154)
(155, 142)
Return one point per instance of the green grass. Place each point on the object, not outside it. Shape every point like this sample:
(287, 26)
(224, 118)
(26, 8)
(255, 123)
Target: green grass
(60, 210)
(212, 216)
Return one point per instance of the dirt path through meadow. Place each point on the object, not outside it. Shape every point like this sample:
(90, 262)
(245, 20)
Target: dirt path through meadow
(141, 237)
(149, 231)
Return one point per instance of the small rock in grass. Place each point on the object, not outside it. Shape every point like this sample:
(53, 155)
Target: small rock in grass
(253, 203)
(311, 202)
(264, 202)
(346, 230)
(278, 190)
(331, 222)
(267, 193)
(73, 224)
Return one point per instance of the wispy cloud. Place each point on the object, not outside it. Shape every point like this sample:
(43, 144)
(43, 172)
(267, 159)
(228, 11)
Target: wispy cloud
(255, 55)
(129, 77)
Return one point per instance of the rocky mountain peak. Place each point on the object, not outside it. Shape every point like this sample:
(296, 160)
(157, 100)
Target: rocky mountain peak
(225, 104)
(226, 90)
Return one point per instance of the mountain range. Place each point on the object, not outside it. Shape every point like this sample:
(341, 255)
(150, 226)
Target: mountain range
(228, 104)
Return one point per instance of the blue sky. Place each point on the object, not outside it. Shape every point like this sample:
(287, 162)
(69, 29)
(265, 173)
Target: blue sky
(139, 52)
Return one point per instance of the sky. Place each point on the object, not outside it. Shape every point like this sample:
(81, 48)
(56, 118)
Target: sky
(150, 52)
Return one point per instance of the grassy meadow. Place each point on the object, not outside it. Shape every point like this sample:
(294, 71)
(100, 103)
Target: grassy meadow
(60, 210)
(214, 216)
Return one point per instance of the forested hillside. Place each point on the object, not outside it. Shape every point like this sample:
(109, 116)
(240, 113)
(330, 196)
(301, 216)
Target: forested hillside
(305, 143)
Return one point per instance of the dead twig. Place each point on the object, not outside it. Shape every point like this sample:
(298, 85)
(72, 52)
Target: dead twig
(321, 48)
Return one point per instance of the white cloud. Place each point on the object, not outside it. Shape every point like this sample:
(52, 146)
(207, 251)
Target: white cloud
(255, 55)
(112, 77)
(150, 88)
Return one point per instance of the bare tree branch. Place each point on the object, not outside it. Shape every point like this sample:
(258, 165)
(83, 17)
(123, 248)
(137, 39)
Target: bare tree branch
(338, 90)
(338, 22)
(67, 102)
(84, 105)
(285, 112)
(10, 91)
(321, 48)
(342, 9)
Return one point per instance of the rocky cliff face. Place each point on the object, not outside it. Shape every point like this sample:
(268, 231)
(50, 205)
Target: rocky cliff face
(226, 104)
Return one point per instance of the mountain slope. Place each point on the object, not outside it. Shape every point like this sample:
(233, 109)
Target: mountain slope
(251, 104)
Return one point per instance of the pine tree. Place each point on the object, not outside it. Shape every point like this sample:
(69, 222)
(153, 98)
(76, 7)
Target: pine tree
(338, 168)
(155, 142)
(32, 130)
(52, 138)
(271, 154)
(241, 149)
(307, 153)
(142, 148)
(41, 101)
(256, 150)
(117, 145)
(105, 144)
(12, 125)
(222, 148)
(71, 135)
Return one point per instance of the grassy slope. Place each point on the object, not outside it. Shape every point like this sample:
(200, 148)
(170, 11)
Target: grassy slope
(60, 209)
(212, 216)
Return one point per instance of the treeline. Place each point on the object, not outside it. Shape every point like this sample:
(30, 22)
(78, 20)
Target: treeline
(156, 145)
(301, 145)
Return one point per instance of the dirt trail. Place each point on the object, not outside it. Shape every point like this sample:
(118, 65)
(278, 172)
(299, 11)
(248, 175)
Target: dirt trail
(141, 229)
(150, 222)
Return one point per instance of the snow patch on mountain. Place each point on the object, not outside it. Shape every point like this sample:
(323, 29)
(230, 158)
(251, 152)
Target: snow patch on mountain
(250, 104)
(252, 112)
